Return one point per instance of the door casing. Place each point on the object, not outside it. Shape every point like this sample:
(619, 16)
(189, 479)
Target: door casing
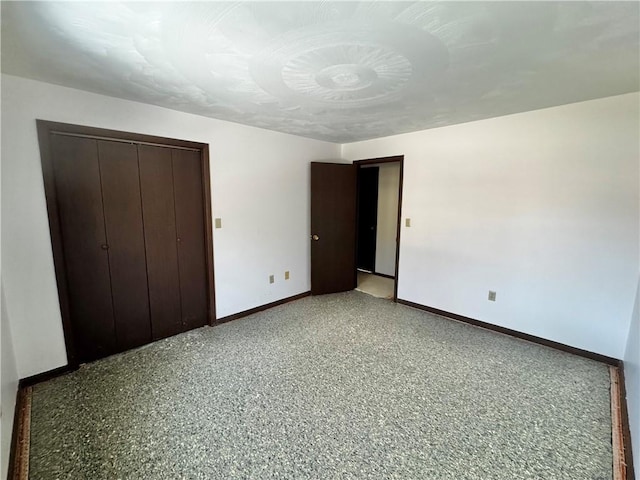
(393, 159)
(45, 130)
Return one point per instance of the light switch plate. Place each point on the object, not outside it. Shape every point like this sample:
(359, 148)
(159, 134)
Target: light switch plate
(286, 275)
(271, 279)
(407, 222)
(218, 223)
(492, 296)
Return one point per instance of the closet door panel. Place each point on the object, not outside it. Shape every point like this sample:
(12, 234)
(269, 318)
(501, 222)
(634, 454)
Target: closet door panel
(156, 182)
(81, 216)
(189, 204)
(125, 237)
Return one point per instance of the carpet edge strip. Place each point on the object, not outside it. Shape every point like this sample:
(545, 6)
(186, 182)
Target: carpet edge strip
(20, 467)
(617, 441)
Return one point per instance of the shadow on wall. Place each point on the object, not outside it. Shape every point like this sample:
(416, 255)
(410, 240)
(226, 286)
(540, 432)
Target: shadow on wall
(632, 378)
(9, 387)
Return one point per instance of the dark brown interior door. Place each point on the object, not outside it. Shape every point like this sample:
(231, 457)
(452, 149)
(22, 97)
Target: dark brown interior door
(333, 227)
(77, 176)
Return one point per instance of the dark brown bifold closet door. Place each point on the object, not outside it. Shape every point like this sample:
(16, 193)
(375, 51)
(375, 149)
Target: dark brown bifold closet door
(132, 227)
(173, 207)
(189, 206)
(156, 181)
(81, 216)
(125, 239)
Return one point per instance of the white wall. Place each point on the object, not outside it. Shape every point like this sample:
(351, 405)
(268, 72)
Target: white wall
(540, 206)
(9, 387)
(260, 189)
(632, 379)
(388, 185)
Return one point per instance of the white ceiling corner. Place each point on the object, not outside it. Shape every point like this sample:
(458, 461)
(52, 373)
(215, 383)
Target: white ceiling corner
(336, 71)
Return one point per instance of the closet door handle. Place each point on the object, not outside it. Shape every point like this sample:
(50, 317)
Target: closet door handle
(104, 246)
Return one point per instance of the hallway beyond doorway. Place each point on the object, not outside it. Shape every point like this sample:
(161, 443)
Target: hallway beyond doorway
(375, 285)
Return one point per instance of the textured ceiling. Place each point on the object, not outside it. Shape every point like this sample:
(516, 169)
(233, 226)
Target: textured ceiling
(337, 71)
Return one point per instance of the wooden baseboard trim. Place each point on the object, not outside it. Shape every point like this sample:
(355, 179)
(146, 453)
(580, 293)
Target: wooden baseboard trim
(617, 443)
(514, 333)
(44, 376)
(261, 308)
(20, 440)
(626, 428)
(14, 435)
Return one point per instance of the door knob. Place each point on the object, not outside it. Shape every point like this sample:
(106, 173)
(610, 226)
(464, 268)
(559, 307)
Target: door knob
(104, 246)
(315, 237)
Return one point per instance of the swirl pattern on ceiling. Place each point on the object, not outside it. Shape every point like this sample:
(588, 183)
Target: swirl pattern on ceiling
(340, 66)
(337, 71)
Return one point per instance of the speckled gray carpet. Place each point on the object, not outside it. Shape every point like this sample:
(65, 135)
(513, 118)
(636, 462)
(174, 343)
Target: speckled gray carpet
(341, 386)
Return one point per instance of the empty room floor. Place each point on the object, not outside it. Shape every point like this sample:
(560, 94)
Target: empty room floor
(381, 287)
(338, 386)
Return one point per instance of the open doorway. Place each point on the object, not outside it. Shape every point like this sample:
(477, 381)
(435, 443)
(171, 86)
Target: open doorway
(378, 225)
